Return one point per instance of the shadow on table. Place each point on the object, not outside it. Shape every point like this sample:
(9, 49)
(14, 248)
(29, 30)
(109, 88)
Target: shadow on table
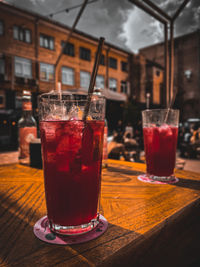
(118, 246)
(188, 183)
(20, 247)
(118, 175)
(16, 234)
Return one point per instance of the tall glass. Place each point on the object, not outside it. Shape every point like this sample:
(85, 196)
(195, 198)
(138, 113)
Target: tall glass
(72, 159)
(160, 131)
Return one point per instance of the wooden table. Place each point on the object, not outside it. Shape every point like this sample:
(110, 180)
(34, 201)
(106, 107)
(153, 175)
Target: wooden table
(149, 225)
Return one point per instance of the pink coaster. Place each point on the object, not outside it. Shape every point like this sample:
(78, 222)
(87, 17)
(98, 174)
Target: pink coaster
(42, 231)
(145, 178)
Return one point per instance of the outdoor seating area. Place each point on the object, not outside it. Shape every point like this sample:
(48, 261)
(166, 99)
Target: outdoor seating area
(99, 133)
(143, 219)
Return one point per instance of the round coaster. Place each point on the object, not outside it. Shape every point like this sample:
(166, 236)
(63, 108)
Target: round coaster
(42, 231)
(145, 178)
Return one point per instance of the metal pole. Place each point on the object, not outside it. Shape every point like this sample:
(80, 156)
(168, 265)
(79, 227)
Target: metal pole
(180, 9)
(166, 54)
(156, 8)
(171, 70)
(177, 13)
(68, 37)
(166, 63)
(148, 10)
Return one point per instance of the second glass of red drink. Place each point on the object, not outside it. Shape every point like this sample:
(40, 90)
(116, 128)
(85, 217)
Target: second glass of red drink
(160, 131)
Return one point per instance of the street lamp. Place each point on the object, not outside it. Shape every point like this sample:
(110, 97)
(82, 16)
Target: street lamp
(148, 100)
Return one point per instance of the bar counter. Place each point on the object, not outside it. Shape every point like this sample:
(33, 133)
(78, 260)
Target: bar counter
(149, 224)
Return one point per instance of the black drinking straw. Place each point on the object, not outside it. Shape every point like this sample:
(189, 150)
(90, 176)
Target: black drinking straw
(93, 77)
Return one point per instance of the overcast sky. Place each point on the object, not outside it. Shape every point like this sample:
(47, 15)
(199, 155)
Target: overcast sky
(119, 21)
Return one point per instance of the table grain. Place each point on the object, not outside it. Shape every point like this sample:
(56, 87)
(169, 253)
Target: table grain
(149, 224)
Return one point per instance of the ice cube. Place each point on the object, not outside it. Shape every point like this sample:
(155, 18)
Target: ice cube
(56, 112)
(50, 131)
(50, 157)
(165, 130)
(74, 113)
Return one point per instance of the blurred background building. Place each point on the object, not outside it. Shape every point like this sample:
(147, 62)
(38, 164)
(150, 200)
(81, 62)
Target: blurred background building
(30, 45)
(186, 71)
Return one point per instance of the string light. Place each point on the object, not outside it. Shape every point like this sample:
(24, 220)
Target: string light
(68, 9)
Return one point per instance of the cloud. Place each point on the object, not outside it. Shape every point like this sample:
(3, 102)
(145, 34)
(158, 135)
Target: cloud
(119, 21)
(140, 30)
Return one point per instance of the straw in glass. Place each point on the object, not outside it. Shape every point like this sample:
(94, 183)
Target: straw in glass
(93, 77)
(171, 103)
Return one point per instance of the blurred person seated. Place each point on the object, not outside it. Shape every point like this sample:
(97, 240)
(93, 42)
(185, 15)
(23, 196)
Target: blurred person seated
(129, 129)
(116, 148)
(132, 147)
(184, 144)
(190, 147)
(195, 138)
(195, 141)
(120, 128)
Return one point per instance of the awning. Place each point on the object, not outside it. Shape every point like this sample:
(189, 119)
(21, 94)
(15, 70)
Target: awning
(110, 95)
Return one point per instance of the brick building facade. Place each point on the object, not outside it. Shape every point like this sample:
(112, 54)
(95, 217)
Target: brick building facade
(30, 45)
(29, 48)
(147, 82)
(186, 71)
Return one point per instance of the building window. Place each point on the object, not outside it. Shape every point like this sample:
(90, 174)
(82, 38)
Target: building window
(85, 53)
(2, 99)
(1, 28)
(100, 81)
(124, 87)
(2, 66)
(157, 73)
(102, 60)
(69, 49)
(67, 76)
(21, 34)
(124, 66)
(113, 84)
(46, 72)
(84, 79)
(23, 67)
(47, 41)
(112, 62)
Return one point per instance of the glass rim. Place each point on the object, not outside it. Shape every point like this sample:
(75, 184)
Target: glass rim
(56, 97)
(160, 109)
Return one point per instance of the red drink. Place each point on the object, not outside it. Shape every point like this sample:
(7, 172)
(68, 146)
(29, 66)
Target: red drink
(160, 149)
(72, 155)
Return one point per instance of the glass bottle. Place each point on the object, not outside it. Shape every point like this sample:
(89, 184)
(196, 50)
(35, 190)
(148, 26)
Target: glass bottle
(98, 91)
(105, 144)
(27, 128)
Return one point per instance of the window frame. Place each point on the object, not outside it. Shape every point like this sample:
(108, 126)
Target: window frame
(111, 88)
(102, 60)
(112, 59)
(103, 81)
(3, 66)
(21, 34)
(67, 49)
(73, 70)
(26, 60)
(83, 53)
(3, 28)
(124, 63)
(124, 84)
(47, 38)
(87, 86)
(47, 72)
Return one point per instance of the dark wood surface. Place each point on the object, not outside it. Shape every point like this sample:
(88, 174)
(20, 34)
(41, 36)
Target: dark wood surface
(149, 225)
